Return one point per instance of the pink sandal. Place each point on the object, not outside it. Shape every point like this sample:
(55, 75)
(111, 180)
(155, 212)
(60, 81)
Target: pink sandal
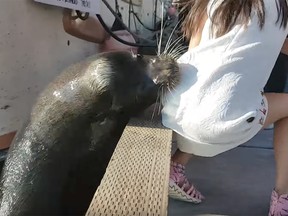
(179, 186)
(278, 204)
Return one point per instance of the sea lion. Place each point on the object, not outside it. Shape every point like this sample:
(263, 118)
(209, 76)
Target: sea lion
(57, 161)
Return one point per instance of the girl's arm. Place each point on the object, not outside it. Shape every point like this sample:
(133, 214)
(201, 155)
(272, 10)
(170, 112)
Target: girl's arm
(90, 29)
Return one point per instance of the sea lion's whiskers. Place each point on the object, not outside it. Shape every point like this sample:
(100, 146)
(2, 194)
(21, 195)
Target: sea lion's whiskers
(176, 44)
(170, 37)
(173, 89)
(172, 45)
(170, 92)
(164, 96)
(173, 84)
(171, 34)
(155, 106)
(161, 100)
(176, 55)
(169, 89)
(177, 47)
(177, 52)
(161, 31)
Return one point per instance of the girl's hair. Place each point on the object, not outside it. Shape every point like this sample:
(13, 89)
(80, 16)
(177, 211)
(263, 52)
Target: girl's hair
(227, 14)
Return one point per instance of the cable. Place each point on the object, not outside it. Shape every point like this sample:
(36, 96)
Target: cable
(139, 20)
(119, 39)
(119, 19)
(86, 15)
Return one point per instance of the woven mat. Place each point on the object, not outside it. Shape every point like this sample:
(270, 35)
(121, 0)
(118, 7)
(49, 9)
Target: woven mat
(136, 179)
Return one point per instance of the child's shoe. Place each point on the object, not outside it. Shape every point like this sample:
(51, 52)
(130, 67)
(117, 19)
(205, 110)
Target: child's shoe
(180, 188)
(278, 204)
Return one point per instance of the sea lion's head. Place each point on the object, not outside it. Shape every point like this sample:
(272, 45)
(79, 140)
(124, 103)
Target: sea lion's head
(136, 81)
(164, 71)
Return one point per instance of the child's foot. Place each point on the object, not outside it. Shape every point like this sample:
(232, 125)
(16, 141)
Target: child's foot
(179, 186)
(278, 204)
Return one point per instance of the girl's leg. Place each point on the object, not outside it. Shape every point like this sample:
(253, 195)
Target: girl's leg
(181, 157)
(278, 114)
(179, 186)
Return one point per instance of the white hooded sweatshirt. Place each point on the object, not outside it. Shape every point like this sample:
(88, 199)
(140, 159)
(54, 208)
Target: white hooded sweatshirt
(219, 103)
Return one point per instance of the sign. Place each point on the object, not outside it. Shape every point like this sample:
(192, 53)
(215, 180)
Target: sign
(91, 6)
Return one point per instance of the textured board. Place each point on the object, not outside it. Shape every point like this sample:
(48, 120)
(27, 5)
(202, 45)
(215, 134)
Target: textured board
(136, 179)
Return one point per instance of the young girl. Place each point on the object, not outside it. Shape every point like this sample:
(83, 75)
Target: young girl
(220, 103)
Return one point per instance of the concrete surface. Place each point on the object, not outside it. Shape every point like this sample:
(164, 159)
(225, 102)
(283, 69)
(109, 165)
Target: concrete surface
(238, 182)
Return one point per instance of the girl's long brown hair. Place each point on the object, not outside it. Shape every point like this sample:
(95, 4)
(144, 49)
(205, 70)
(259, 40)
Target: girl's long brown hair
(227, 14)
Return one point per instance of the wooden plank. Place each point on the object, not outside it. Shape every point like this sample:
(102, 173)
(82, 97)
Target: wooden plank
(136, 179)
